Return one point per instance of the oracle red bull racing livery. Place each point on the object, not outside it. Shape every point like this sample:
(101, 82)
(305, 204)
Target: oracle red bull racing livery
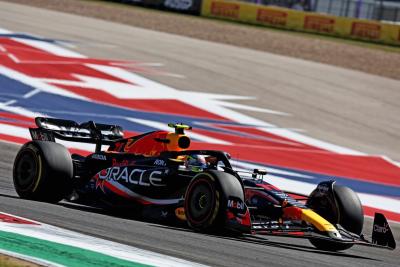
(157, 176)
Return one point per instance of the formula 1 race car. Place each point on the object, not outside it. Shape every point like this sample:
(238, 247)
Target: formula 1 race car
(157, 176)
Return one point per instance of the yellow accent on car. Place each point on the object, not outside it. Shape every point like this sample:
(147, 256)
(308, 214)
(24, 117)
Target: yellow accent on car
(320, 223)
(179, 126)
(177, 142)
(179, 160)
(180, 213)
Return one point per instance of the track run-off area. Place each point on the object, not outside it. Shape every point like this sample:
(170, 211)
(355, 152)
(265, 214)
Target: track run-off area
(304, 122)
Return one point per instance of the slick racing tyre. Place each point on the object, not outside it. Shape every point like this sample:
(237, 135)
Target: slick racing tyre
(43, 171)
(206, 200)
(203, 202)
(345, 209)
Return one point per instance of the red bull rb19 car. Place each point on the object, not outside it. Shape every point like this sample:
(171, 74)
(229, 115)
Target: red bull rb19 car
(157, 176)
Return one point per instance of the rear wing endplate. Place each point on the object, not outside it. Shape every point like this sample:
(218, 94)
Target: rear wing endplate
(88, 132)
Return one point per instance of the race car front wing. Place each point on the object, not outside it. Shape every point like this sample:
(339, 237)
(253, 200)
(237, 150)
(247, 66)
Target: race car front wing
(382, 236)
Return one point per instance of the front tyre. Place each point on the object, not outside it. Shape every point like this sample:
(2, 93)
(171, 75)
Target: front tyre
(43, 171)
(203, 203)
(343, 208)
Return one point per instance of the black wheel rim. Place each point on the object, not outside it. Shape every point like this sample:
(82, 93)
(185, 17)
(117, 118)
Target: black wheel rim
(201, 201)
(26, 171)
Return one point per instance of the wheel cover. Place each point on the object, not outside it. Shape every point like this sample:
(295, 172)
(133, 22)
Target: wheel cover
(26, 171)
(201, 201)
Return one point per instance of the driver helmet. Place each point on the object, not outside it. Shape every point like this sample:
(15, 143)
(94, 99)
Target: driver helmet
(195, 163)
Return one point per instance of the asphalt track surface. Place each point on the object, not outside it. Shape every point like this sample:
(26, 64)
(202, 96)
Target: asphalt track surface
(366, 120)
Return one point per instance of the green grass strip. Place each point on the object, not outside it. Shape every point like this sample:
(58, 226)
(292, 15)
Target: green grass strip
(59, 253)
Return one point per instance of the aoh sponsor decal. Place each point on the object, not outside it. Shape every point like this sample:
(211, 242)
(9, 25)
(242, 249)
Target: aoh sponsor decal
(272, 17)
(319, 23)
(228, 10)
(366, 30)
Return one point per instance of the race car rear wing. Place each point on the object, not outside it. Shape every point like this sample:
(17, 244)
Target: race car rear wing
(88, 132)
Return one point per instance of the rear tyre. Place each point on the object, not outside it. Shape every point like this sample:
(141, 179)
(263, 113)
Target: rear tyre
(346, 211)
(43, 171)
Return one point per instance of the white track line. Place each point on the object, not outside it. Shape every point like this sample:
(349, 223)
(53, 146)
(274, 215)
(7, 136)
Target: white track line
(114, 249)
